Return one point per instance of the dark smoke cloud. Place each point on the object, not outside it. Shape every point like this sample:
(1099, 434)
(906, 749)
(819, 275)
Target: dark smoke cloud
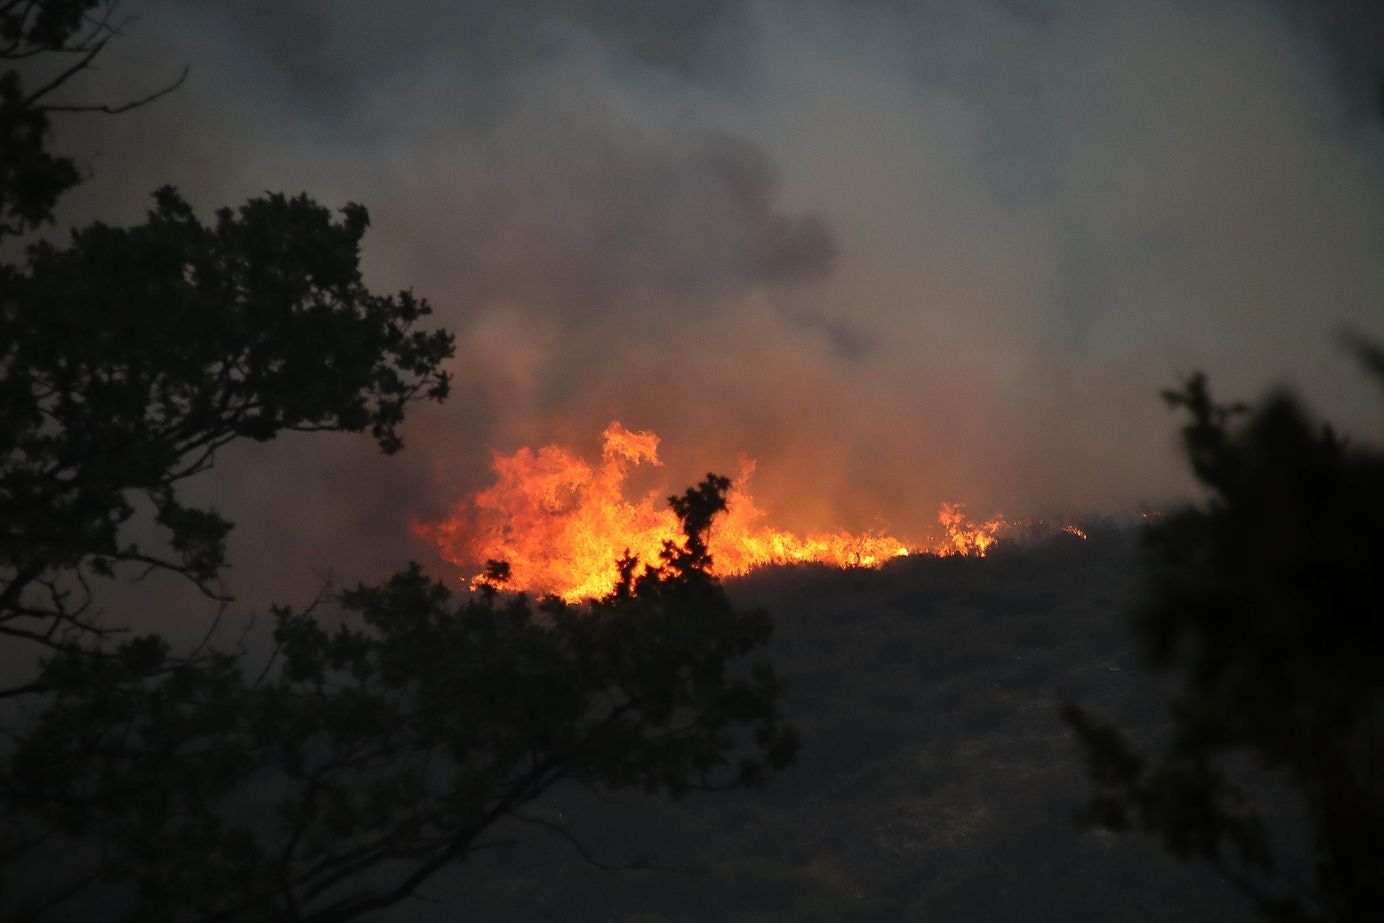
(1351, 34)
(900, 252)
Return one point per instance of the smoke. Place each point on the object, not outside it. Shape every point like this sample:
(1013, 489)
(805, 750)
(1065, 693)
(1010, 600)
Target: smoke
(899, 253)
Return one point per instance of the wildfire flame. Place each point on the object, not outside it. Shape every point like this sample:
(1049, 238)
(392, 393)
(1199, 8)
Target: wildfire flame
(561, 523)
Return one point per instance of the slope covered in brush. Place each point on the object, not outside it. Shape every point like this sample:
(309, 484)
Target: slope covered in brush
(936, 780)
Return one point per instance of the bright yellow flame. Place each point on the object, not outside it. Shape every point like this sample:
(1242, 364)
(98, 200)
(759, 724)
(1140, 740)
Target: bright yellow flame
(561, 524)
(963, 536)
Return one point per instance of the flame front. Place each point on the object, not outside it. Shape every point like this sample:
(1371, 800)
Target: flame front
(561, 523)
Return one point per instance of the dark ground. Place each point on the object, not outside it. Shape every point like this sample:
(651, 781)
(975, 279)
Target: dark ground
(936, 782)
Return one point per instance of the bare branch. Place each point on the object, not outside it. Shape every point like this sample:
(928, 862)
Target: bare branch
(34, 688)
(31, 102)
(107, 109)
(563, 833)
(152, 564)
(201, 645)
(521, 791)
(47, 641)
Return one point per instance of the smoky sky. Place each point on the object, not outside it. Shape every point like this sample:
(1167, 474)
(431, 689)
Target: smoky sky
(898, 252)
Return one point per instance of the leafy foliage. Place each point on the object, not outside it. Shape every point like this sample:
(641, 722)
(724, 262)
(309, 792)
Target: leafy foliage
(363, 758)
(1264, 606)
(388, 746)
(132, 355)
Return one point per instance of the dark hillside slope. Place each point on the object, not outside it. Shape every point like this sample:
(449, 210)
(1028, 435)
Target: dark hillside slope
(936, 780)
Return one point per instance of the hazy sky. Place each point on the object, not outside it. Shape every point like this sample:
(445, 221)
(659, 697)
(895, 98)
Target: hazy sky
(899, 252)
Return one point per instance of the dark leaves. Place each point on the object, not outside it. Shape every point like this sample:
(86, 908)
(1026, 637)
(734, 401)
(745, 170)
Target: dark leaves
(397, 737)
(1264, 606)
(132, 355)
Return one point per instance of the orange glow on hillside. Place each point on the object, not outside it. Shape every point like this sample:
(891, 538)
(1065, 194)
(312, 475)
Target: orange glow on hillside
(561, 523)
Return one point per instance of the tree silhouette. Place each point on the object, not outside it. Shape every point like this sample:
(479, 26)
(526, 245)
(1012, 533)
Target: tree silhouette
(132, 355)
(1264, 604)
(362, 759)
(387, 747)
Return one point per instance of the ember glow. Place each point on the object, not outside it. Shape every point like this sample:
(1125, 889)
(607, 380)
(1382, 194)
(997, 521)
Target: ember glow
(561, 523)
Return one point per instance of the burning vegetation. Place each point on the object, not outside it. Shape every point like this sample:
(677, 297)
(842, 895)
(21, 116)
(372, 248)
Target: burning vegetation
(561, 523)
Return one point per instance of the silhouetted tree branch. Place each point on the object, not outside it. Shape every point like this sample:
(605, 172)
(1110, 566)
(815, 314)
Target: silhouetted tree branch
(361, 760)
(48, 43)
(392, 743)
(227, 343)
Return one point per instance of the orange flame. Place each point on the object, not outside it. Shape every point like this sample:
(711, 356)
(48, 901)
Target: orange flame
(963, 536)
(561, 524)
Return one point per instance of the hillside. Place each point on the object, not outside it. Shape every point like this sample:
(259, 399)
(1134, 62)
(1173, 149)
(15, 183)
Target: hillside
(936, 782)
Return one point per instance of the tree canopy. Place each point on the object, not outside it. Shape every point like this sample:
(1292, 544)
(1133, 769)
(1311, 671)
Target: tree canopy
(131, 355)
(182, 785)
(375, 753)
(1263, 607)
